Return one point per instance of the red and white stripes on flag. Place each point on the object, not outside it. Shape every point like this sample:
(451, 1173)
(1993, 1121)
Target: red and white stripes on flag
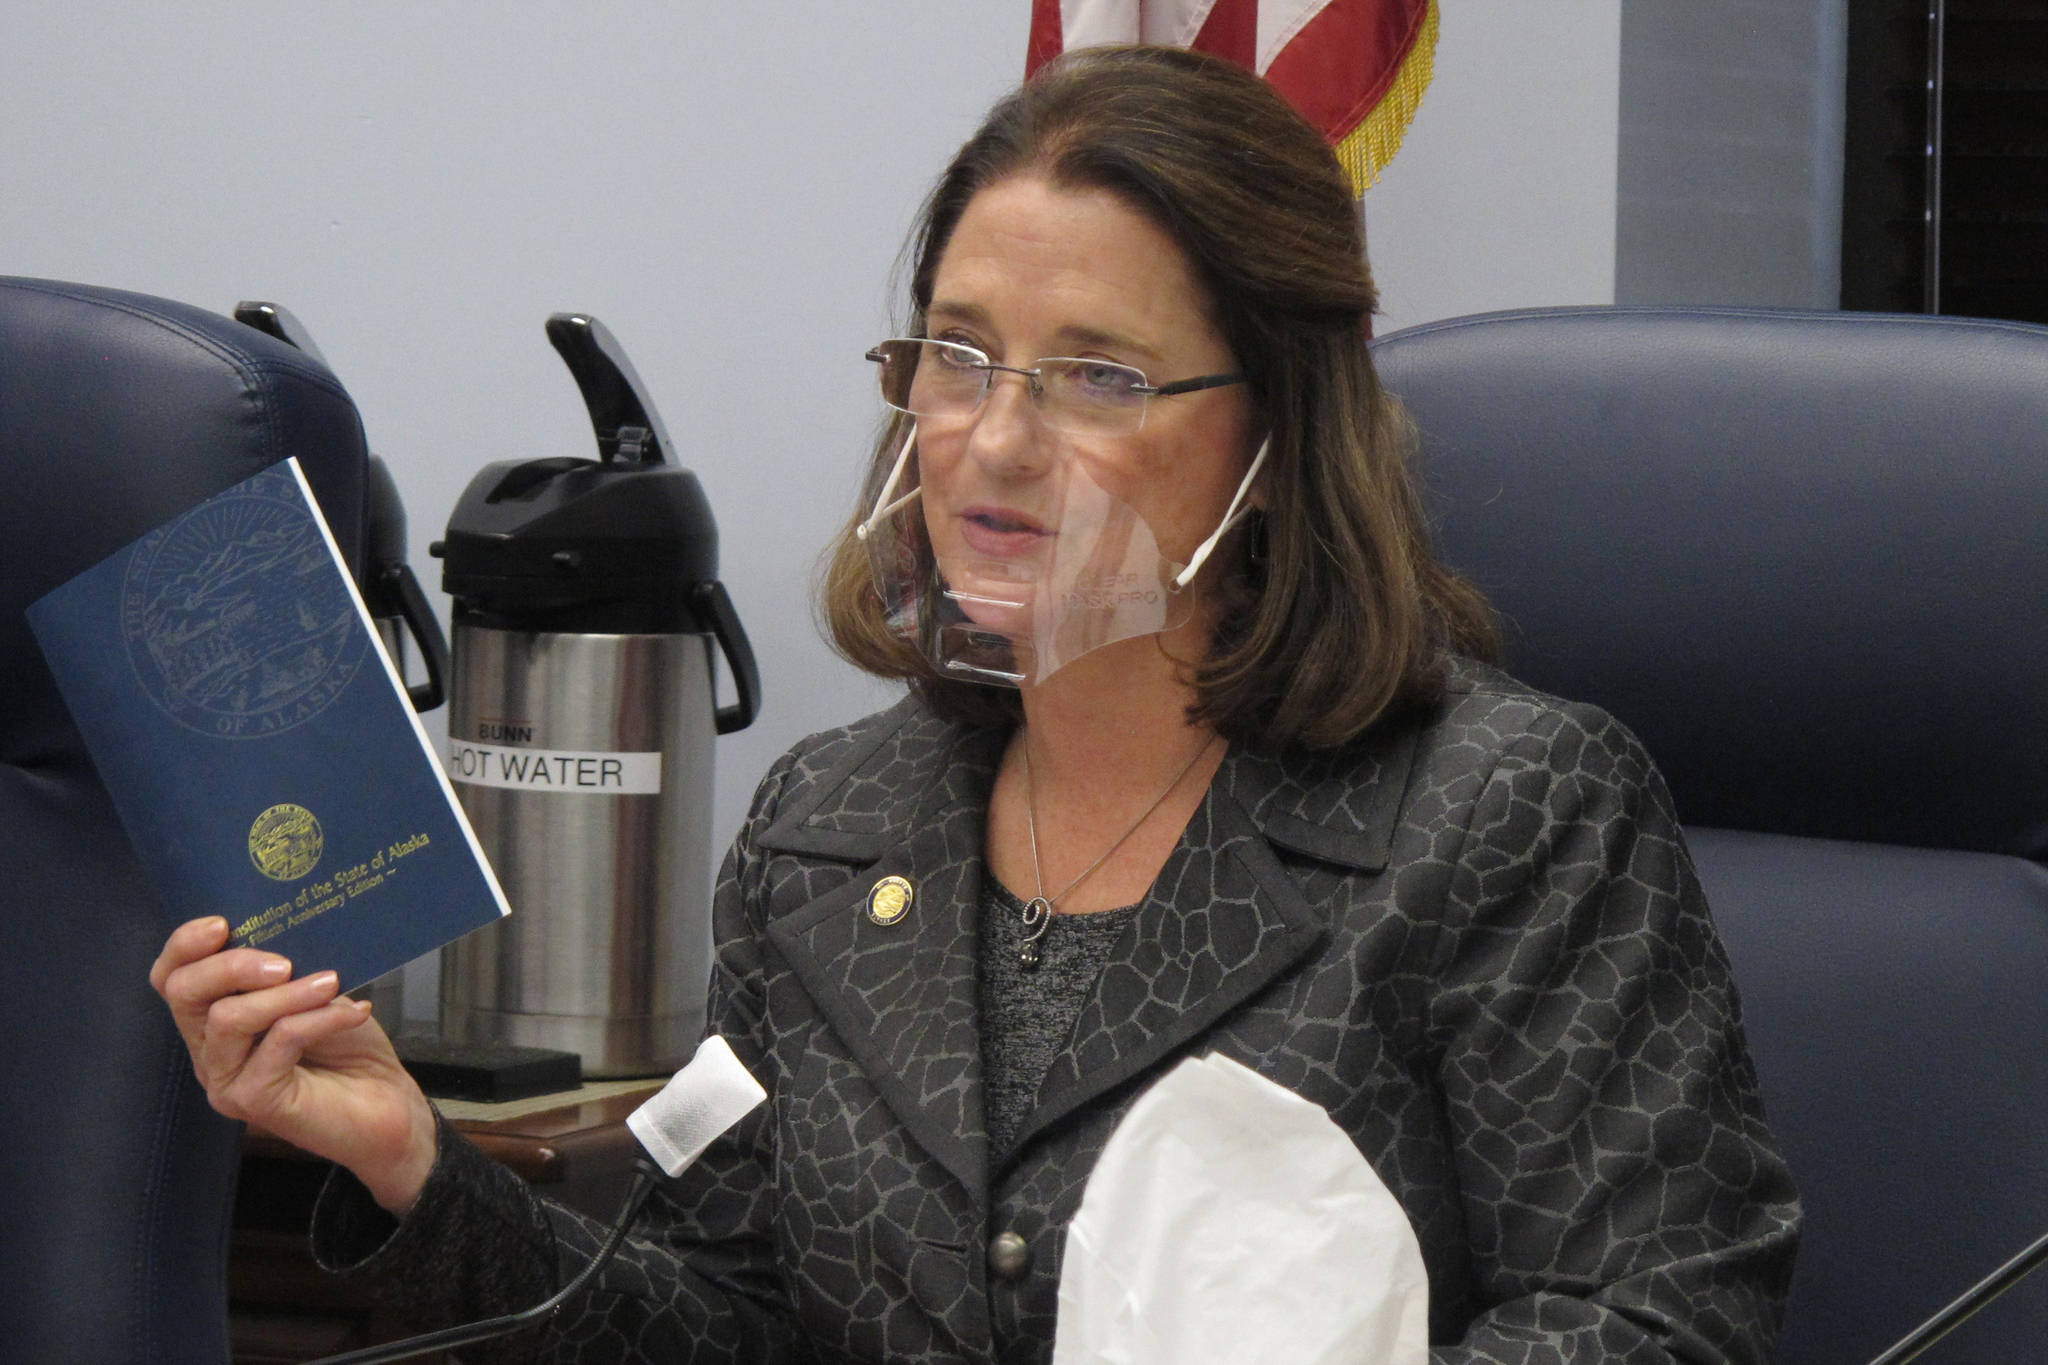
(1356, 69)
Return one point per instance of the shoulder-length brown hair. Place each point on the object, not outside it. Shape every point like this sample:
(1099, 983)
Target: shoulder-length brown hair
(1334, 610)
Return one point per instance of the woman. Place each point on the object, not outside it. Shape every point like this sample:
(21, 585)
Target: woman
(1237, 790)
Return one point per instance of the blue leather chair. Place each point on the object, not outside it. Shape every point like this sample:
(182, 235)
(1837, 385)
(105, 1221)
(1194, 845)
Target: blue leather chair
(116, 1180)
(1805, 557)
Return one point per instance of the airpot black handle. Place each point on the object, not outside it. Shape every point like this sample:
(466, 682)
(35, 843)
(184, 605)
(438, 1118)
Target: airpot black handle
(715, 608)
(628, 428)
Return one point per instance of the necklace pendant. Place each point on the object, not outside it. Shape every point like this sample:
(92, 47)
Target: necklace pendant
(1037, 918)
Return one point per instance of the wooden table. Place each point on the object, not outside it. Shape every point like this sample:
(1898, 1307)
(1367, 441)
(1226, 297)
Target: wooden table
(283, 1309)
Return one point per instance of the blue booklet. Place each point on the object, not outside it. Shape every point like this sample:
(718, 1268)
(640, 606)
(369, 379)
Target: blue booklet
(257, 742)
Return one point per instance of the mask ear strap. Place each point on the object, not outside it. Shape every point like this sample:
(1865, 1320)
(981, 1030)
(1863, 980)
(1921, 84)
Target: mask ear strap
(1232, 515)
(866, 528)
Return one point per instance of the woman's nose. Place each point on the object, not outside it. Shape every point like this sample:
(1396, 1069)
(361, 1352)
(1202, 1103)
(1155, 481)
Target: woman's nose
(1008, 433)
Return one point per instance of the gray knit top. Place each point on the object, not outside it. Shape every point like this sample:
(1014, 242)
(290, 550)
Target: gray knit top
(1027, 1012)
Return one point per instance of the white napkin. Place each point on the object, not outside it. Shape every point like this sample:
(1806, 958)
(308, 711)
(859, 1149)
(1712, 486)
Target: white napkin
(1232, 1221)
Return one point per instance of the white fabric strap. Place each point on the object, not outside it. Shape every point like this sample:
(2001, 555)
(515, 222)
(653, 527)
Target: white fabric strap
(1231, 517)
(883, 507)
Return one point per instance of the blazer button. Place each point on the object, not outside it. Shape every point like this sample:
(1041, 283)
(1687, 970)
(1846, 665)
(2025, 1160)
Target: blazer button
(1009, 1256)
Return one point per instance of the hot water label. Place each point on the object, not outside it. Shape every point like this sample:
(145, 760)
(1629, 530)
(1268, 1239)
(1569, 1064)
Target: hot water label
(584, 771)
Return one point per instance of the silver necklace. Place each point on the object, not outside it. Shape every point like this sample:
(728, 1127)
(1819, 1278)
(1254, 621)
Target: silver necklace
(1038, 910)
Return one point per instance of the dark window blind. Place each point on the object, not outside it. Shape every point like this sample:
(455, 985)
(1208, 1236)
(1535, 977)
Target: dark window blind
(1945, 161)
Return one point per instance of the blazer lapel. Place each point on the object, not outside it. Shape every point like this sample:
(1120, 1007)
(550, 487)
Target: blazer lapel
(1225, 918)
(902, 997)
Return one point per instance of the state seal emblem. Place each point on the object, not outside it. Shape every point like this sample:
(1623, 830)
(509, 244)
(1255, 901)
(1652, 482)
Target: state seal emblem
(235, 622)
(285, 843)
(889, 900)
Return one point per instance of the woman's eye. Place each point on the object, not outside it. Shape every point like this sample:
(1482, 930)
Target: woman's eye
(1103, 380)
(954, 354)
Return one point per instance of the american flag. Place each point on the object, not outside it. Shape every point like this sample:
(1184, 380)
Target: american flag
(1356, 69)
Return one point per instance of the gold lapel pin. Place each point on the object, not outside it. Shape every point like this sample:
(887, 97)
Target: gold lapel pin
(889, 901)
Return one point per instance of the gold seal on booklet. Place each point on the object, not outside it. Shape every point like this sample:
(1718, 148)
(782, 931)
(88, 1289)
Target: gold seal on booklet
(889, 901)
(285, 843)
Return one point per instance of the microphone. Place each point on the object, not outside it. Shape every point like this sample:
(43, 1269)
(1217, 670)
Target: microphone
(707, 1097)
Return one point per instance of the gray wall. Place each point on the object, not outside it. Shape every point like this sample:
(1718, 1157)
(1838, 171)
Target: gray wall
(1730, 176)
(726, 186)
(1503, 195)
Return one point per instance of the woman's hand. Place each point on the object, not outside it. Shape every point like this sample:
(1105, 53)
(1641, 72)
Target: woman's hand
(297, 1059)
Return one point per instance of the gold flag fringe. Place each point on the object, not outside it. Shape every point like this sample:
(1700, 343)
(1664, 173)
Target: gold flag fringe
(1365, 151)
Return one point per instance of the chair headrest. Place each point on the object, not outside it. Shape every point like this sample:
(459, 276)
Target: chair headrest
(117, 411)
(1804, 555)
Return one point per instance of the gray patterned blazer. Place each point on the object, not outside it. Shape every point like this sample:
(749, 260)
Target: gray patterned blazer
(1476, 941)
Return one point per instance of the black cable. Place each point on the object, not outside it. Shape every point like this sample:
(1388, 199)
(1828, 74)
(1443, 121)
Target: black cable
(448, 1338)
(1972, 1302)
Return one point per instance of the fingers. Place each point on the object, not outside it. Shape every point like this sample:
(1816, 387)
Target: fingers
(195, 991)
(232, 1025)
(189, 942)
(264, 1081)
(196, 969)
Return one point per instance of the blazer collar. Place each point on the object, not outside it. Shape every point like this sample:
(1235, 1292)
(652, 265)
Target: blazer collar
(909, 799)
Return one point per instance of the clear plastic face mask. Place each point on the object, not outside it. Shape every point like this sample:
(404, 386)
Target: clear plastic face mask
(1016, 599)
